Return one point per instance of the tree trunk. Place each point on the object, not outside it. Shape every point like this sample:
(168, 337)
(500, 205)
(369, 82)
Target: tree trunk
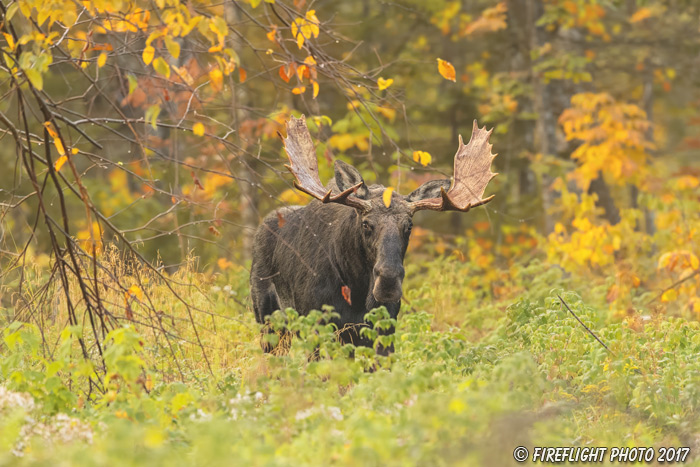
(543, 102)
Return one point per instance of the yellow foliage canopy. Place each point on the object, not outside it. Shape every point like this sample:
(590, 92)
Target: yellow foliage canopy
(613, 138)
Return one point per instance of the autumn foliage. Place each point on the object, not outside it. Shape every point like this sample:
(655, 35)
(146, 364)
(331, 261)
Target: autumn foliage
(141, 142)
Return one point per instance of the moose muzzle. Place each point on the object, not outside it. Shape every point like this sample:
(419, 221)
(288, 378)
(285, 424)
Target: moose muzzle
(387, 283)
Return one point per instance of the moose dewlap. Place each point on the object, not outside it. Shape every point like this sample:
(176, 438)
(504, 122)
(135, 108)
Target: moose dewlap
(347, 248)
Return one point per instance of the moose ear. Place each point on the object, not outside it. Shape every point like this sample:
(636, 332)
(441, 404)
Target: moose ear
(347, 176)
(428, 190)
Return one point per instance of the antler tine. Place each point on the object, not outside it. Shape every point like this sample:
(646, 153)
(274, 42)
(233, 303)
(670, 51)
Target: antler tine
(472, 173)
(304, 166)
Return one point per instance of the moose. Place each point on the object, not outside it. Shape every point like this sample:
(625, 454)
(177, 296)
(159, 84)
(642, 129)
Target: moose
(346, 248)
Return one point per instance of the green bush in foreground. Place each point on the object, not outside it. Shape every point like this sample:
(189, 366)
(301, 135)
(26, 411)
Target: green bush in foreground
(537, 379)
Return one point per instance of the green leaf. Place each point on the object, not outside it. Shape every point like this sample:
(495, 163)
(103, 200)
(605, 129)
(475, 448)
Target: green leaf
(35, 78)
(152, 115)
(11, 10)
(133, 83)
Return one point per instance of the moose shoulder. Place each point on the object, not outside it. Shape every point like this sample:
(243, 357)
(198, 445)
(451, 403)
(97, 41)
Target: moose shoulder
(346, 249)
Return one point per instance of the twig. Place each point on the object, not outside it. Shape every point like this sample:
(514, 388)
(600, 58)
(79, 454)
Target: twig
(673, 286)
(584, 326)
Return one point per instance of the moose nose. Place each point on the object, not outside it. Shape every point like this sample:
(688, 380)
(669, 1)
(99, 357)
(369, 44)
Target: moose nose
(389, 273)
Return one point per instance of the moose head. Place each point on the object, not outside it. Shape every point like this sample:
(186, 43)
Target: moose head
(380, 233)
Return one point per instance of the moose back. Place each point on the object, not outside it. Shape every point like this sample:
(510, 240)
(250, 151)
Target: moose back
(347, 248)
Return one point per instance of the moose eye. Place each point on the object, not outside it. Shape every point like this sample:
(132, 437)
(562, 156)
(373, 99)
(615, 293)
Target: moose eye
(366, 225)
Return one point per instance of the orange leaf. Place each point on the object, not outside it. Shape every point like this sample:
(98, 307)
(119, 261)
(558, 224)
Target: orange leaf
(214, 231)
(59, 163)
(283, 73)
(446, 70)
(196, 181)
(272, 35)
(242, 75)
(299, 90)
(346, 294)
(280, 220)
(640, 15)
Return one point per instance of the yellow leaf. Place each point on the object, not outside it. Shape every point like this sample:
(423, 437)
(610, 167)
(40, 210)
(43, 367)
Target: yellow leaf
(101, 60)
(148, 54)
(10, 40)
(59, 163)
(299, 90)
(669, 295)
(384, 83)
(272, 35)
(387, 113)
(74, 151)
(386, 197)
(300, 71)
(135, 291)
(49, 128)
(198, 129)
(446, 70)
(693, 261)
(161, 67)
(422, 157)
(314, 84)
(313, 22)
(173, 47)
(457, 406)
(217, 79)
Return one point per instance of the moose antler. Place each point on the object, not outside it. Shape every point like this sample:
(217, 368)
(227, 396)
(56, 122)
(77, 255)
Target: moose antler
(304, 166)
(471, 175)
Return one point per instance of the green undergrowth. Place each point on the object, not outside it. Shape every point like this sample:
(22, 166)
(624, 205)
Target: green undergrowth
(510, 373)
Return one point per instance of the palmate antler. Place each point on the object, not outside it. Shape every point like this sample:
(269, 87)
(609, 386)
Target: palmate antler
(304, 166)
(471, 175)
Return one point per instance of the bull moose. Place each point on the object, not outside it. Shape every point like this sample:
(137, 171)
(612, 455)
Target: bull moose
(347, 247)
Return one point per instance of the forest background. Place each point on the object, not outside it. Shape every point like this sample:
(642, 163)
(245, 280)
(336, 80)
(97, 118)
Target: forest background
(141, 150)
